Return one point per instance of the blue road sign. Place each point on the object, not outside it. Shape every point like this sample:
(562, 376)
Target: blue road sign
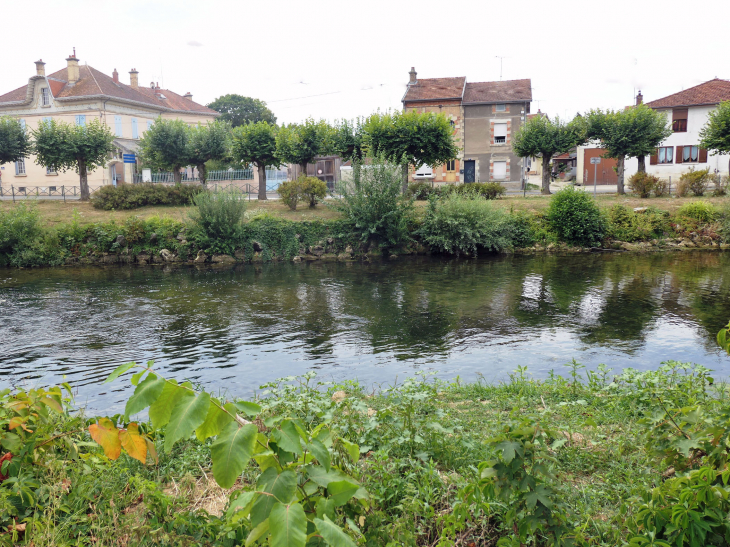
(129, 158)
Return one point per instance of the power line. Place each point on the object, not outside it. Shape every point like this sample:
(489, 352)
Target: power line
(305, 97)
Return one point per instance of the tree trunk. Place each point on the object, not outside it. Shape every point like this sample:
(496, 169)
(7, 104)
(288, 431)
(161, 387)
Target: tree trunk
(620, 172)
(203, 174)
(545, 175)
(303, 169)
(405, 178)
(83, 181)
(177, 176)
(642, 164)
(262, 181)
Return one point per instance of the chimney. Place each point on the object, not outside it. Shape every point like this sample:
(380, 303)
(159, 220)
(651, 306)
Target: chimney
(639, 98)
(134, 78)
(412, 74)
(188, 96)
(40, 68)
(73, 69)
(115, 76)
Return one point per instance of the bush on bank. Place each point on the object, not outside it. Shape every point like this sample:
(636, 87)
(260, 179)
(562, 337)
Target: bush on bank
(133, 196)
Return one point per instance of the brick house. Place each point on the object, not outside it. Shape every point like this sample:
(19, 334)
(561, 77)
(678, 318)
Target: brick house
(79, 93)
(484, 116)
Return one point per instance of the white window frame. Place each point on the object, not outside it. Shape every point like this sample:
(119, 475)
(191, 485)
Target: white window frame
(118, 126)
(501, 136)
(501, 107)
(50, 170)
(423, 172)
(45, 96)
(20, 167)
(81, 120)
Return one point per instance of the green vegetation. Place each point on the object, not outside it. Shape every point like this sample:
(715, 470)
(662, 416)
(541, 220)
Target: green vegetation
(715, 135)
(218, 220)
(255, 143)
(488, 190)
(643, 184)
(133, 196)
(309, 189)
(239, 110)
(14, 140)
(208, 143)
(465, 224)
(700, 211)
(695, 181)
(626, 225)
(575, 217)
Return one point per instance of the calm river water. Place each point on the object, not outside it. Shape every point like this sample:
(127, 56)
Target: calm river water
(233, 330)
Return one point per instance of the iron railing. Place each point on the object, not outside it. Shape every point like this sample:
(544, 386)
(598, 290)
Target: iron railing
(212, 176)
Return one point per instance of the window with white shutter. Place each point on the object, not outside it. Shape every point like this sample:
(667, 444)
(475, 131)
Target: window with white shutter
(500, 133)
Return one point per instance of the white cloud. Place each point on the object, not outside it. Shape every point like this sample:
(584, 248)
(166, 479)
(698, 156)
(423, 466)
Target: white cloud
(194, 43)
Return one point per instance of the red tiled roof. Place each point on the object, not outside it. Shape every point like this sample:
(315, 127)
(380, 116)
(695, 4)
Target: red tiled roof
(92, 82)
(492, 92)
(712, 92)
(435, 88)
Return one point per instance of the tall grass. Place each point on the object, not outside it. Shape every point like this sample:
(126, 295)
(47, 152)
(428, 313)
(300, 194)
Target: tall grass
(218, 220)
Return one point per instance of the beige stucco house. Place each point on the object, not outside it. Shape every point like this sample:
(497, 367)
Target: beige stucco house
(79, 93)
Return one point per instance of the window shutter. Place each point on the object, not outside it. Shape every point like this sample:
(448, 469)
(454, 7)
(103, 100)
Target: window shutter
(679, 156)
(679, 114)
(653, 158)
(703, 155)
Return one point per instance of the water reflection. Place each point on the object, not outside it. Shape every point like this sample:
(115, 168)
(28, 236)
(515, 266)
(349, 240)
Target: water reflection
(235, 329)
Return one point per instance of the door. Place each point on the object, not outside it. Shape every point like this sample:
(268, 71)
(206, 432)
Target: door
(469, 171)
(603, 173)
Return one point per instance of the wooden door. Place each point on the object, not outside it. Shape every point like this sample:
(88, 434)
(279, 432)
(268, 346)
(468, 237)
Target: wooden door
(604, 174)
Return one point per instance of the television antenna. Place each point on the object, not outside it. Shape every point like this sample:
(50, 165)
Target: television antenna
(500, 57)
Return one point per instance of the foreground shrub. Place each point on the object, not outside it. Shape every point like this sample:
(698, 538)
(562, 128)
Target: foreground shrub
(217, 220)
(528, 229)
(626, 225)
(132, 196)
(374, 204)
(701, 211)
(464, 224)
(421, 190)
(576, 218)
(23, 241)
(642, 183)
(695, 182)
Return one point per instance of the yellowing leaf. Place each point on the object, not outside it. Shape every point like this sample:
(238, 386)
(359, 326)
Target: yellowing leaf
(17, 421)
(52, 403)
(151, 449)
(134, 443)
(107, 436)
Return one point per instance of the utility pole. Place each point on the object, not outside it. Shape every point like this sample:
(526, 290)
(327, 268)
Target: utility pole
(500, 57)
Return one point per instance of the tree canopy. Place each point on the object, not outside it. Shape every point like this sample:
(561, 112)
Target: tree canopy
(715, 135)
(14, 140)
(63, 146)
(256, 143)
(543, 137)
(206, 143)
(634, 133)
(239, 110)
(348, 139)
(166, 146)
(412, 138)
(301, 143)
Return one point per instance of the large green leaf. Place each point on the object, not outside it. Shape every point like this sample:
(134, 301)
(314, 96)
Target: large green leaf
(323, 477)
(145, 394)
(352, 450)
(288, 525)
(241, 506)
(187, 415)
(281, 487)
(257, 533)
(161, 409)
(287, 437)
(248, 408)
(342, 491)
(320, 452)
(332, 533)
(231, 452)
(214, 422)
(121, 369)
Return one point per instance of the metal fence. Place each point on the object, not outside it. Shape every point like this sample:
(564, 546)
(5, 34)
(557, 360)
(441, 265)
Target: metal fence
(212, 176)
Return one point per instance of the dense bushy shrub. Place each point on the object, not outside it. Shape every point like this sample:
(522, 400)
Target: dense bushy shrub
(421, 190)
(642, 183)
(488, 190)
(530, 228)
(21, 236)
(290, 192)
(576, 218)
(217, 220)
(314, 190)
(463, 224)
(695, 181)
(724, 220)
(308, 189)
(374, 204)
(661, 188)
(626, 225)
(132, 196)
(722, 183)
(701, 211)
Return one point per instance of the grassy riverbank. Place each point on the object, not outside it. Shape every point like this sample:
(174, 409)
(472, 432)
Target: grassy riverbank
(54, 233)
(597, 443)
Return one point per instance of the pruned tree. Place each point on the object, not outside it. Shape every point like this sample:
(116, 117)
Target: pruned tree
(15, 142)
(633, 133)
(166, 146)
(255, 143)
(715, 135)
(301, 143)
(411, 138)
(348, 141)
(209, 142)
(239, 110)
(542, 137)
(63, 146)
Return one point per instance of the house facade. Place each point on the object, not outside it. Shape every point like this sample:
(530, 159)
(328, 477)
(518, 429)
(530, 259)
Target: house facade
(78, 94)
(483, 115)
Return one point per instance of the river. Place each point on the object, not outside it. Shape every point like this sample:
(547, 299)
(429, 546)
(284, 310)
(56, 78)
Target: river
(231, 330)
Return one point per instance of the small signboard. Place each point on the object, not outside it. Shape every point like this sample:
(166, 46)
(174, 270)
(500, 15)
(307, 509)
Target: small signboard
(595, 160)
(146, 175)
(129, 158)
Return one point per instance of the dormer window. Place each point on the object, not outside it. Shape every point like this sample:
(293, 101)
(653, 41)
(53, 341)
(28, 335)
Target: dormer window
(45, 97)
(501, 108)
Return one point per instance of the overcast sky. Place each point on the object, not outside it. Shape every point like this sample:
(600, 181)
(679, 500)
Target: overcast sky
(341, 59)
